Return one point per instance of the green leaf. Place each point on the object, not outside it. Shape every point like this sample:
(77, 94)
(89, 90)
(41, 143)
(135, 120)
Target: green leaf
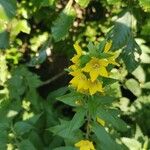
(78, 119)
(71, 98)
(67, 129)
(130, 55)
(63, 23)
(21, 127)
(121, 35)
(16, 86)
(19, 26)
(121, 31)
(106, 141)
(146, 85)
(113, 90)
(132, 144)
(57, 93)
(4, 40)
(36, 140)
(26, 145)
(3, 19)
(47, 3)
(133, 86)
(108, 81)
(9, 6)
(145, 4)
(139, 74)
(112, 2)
(110, 116)
(66, 148)
(104, 100)
(84, 60)
(83, 3)
(3, 138)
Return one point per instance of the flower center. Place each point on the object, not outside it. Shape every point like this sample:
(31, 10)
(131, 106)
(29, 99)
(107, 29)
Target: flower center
(96, 66)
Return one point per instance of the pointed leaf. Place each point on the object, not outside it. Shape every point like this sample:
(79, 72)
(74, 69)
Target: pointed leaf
(63, 23)
(106, 141)
(83, 3)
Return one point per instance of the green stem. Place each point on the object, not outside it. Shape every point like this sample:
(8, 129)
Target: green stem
(88, 130)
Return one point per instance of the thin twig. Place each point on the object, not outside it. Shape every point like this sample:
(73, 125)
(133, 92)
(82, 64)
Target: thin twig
(53, 78)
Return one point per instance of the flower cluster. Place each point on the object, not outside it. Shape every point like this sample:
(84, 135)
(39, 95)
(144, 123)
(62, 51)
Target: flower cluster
(85, 77)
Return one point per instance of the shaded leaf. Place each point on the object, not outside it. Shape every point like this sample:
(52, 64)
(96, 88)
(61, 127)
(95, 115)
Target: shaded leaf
(21, 127)
(83, 3)
(66, 148)
(9, 7)
(71, 98)
(106, 141)
(110, 116)
(63, 23)
(4, 40)
(26, 145)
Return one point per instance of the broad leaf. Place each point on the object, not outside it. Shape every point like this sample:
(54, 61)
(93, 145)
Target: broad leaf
(63, 23)
(69, 129)
(111, 116)
(22, 127)
(121, 31)
(121, 35)
(26, 145)
(106, 141)
(19, 26)
(71, 98)
(4, 40)
(66, 148)
(130, 55)
(9, 6)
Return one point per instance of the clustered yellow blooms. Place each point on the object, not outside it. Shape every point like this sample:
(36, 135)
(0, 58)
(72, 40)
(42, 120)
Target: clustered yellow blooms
(85, 79)
(85, 145)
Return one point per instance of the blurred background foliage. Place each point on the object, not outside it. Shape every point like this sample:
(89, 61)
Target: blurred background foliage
(36, 43)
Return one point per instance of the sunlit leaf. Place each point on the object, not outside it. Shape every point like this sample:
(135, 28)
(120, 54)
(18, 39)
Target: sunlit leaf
(83, 3)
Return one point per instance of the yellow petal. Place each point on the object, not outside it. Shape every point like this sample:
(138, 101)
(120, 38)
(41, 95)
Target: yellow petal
(75, 59)
(103, 72)
(94, 74)
(103, 62)
(92, 89)
(113, 62)
(87, 68)
(107, 46)
(99, 87)
(78, 48)
(85, 145)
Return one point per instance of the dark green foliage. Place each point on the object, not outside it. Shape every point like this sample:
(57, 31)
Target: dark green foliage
(36, 43)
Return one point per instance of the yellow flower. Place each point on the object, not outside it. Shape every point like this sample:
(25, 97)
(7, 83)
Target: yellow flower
(74, 67)
(85, 145)
(95, 86)
(75, 58)
(111, 59)
(107, 46)
(79, 81)
(96, 67)
(100, 121)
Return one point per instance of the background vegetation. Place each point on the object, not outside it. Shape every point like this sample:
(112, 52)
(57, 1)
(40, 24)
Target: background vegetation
(36, 44)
